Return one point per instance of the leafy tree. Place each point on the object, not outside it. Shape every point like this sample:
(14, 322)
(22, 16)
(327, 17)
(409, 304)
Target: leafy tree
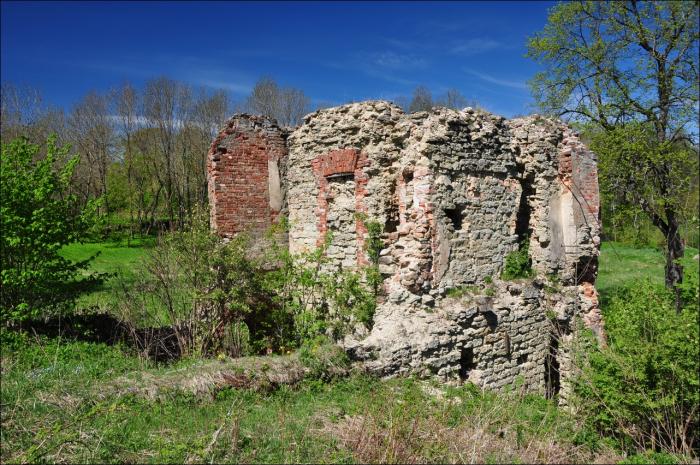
(638, 170)
(39, 216)
(617, 63)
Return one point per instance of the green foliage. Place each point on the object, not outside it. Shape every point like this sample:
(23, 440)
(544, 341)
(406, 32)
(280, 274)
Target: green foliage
(639, 174)
(653, 458)
(644, 387)
(323, 358)
(518, 263)
(203, 288)
(461, 291)
(321, 300)
(39, 215)
(615, 62)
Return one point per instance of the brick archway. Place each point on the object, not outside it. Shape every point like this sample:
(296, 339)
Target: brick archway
(343, 163)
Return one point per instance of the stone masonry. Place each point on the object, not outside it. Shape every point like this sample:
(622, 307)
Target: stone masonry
(457, 192)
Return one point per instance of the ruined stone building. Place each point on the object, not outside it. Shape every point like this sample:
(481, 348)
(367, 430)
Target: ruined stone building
(457, 192)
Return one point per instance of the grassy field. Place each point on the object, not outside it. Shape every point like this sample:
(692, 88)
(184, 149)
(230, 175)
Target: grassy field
(621, 265)
(113, 258)
(58, 404)
(51, 412)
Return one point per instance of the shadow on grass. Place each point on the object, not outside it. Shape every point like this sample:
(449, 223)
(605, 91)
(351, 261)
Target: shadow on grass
(159, 344)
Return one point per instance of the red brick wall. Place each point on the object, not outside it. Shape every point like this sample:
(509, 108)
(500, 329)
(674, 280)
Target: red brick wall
(578, 170)
(238, 174)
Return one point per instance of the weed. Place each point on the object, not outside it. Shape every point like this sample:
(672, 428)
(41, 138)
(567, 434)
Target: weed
(518, 263)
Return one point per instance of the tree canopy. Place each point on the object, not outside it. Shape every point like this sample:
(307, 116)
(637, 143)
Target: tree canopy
(614, 62)
(629, 69)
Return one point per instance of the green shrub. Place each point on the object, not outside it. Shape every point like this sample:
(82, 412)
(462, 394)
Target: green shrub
(209, 292)
(518, 263)
(323, 358)
(643, 388)
(319, 299)
(39, 215)
(660, 458)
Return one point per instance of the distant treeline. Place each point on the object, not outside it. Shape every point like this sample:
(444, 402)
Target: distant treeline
(143, 151)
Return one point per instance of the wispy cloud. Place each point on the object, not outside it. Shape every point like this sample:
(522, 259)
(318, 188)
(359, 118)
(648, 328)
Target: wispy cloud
(497, 81)
(190, 69)
(231, 86)
(387, 65)
(475, 46)
(393, 60)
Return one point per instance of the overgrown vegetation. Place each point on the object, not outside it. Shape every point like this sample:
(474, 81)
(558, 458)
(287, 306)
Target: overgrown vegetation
(221, 297)
(518, 263)
(201, 288)
(39, 216)
(643, 389)
(51, 413)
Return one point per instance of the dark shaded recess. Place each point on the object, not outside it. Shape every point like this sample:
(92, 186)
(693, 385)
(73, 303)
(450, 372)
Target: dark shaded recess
(466, 363)
(522, 225)
(551, 368)
(586, 270)
(340, 177)
(407, 176)
(392, 220)
(455, 216)
(392, 223)
(491, 319)
(522, 358)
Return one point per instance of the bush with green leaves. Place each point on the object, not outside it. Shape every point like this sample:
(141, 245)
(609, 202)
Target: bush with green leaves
(207, 290)
(643, 388)
(323, 358)
(39, 215)
(320, 301)
(221, 296)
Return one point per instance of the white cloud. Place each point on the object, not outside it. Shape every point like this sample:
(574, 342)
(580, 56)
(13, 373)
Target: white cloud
(392, 60)
(498, 81)
(476, 46)
(226, 85)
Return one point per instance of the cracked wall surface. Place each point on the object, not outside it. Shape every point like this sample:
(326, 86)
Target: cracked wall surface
(457, 192)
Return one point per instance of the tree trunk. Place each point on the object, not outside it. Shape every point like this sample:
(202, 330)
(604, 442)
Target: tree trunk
(674, 251)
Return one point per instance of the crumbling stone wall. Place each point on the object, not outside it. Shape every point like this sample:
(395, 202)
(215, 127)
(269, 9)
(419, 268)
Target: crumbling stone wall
(456, 191)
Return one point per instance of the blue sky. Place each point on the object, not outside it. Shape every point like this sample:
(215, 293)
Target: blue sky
(335, 51)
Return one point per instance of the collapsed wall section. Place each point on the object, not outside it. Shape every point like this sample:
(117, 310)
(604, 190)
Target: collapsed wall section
(246, 175)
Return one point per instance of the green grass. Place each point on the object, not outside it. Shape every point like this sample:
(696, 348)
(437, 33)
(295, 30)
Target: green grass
(117, 258)
(49, 411)
(621, 265)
